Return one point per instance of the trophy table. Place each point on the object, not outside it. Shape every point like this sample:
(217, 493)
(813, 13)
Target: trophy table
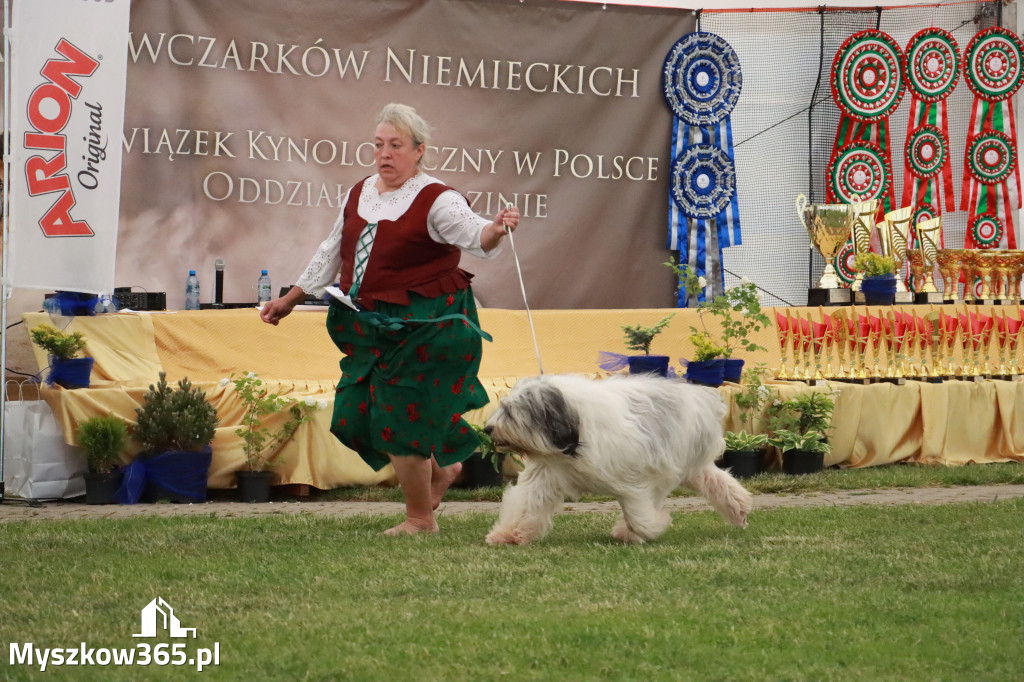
(828, 226)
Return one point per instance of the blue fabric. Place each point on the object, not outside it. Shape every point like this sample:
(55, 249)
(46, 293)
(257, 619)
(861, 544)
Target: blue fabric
(180, 473)
(76, 303)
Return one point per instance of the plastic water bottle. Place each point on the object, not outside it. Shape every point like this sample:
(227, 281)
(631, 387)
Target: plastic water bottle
(192, 291)
(263, 288)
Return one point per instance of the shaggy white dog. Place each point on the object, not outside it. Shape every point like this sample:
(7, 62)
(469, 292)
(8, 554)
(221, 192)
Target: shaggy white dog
(637, 438)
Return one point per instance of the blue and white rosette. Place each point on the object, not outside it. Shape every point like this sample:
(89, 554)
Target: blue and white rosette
(702, 82)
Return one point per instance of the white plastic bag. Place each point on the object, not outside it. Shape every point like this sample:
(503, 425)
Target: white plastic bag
(38, 464)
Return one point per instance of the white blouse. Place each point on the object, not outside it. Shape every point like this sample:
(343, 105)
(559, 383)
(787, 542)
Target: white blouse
(450, 221)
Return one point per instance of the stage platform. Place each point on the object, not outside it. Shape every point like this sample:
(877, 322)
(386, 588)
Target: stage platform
(954, 422)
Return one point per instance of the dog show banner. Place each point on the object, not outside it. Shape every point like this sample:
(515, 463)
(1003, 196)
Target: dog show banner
(702, 82)
(991, 185)
(68, 71)
(243, 132)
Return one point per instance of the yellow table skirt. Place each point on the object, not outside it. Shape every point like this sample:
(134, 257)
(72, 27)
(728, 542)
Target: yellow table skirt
(950, 423)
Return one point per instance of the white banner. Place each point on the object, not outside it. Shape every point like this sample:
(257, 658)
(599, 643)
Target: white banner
(68, 67)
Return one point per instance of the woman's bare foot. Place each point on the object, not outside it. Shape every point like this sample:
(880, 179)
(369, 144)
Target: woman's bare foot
(411, 528)
(440, 481)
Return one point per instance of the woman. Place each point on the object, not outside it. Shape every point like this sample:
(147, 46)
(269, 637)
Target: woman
(406, 381)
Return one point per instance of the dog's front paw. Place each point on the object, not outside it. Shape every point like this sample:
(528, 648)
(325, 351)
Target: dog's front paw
(502, 536)
(622, 532)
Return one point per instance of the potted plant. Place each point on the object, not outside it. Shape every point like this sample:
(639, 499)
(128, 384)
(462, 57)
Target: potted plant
(708, 366)
(258, 441)
(744, 450)
(798, 427)
(66, 368)
(639, 338)
(102, 438)
(175, 427)
(879, 283)
(738, 312)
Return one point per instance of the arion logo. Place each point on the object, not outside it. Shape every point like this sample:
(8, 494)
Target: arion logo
(157, 615)
(49, 110)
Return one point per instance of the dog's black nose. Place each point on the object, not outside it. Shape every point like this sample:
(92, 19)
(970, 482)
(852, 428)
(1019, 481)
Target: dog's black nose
(488, 429)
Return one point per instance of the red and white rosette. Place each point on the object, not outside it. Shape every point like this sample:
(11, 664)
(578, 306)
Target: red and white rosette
(931, 67)
(994, 71)
(867, 85)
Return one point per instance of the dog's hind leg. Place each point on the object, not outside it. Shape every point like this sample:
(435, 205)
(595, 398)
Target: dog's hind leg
(724, 492)
(526, 511)
(641, 519)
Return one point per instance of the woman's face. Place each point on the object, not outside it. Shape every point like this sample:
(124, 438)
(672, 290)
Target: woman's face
(396, 156)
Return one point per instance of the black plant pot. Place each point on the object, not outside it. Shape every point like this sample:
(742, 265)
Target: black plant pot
(797, 462)
(744, 463)
(478, 472)
(649, 364)
(254, 486)
(102, 488)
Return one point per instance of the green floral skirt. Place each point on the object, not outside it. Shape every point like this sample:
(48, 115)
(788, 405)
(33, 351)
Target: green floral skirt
(404, 391)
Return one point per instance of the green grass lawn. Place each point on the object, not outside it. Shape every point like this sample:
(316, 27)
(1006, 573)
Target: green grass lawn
(855, 593)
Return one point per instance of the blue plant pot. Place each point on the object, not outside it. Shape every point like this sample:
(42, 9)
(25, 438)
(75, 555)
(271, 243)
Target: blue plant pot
(649, 364)
(879, 290)
(73, 373)
(733, 370)
(706, 372)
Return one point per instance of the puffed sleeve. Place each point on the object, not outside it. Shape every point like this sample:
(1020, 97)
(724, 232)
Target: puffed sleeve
(322, 270)
(452, 221)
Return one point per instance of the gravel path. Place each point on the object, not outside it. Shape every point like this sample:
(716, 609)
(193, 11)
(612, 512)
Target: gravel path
(12, 510)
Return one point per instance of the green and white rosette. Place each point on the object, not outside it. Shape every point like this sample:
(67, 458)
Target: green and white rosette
(702, 81)
(931, 67)
(994, 72)
(867, 85)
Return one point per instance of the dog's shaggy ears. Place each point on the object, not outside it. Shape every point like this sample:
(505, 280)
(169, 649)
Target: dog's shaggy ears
(541, 404)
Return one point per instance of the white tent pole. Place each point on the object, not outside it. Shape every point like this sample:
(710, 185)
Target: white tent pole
(4, 288)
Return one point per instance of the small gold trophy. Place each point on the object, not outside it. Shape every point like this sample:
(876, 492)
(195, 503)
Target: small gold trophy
(828, 226)
(1002, 261)
(1015, 274)
(898, 235)
(929, 238)
(861, 233)
(949, 261)
(984, 262)
(784, 334)
(969, 270)
(842, 335)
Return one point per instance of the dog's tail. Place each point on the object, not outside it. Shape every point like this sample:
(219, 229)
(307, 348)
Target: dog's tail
(725, 494)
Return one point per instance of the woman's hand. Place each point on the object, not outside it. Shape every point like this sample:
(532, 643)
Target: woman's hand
(506, 219)
(274, 311)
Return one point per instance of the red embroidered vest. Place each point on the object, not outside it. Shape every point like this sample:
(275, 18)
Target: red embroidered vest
(404, 257)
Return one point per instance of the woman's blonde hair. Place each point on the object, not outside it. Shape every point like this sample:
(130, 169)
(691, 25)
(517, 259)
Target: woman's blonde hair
(405, 120)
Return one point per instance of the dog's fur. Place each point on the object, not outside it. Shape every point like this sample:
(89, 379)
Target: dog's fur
(636, 438)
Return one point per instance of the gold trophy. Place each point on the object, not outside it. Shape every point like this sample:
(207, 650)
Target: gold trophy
(949, 261)
(828, 226)
(929, 237)
(969, 269)
(1015, 273)
(842, 334)
(1002, 261)
(898, 228)
(951, 331)
(861, 233)
(984, 261)
(784, 334)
